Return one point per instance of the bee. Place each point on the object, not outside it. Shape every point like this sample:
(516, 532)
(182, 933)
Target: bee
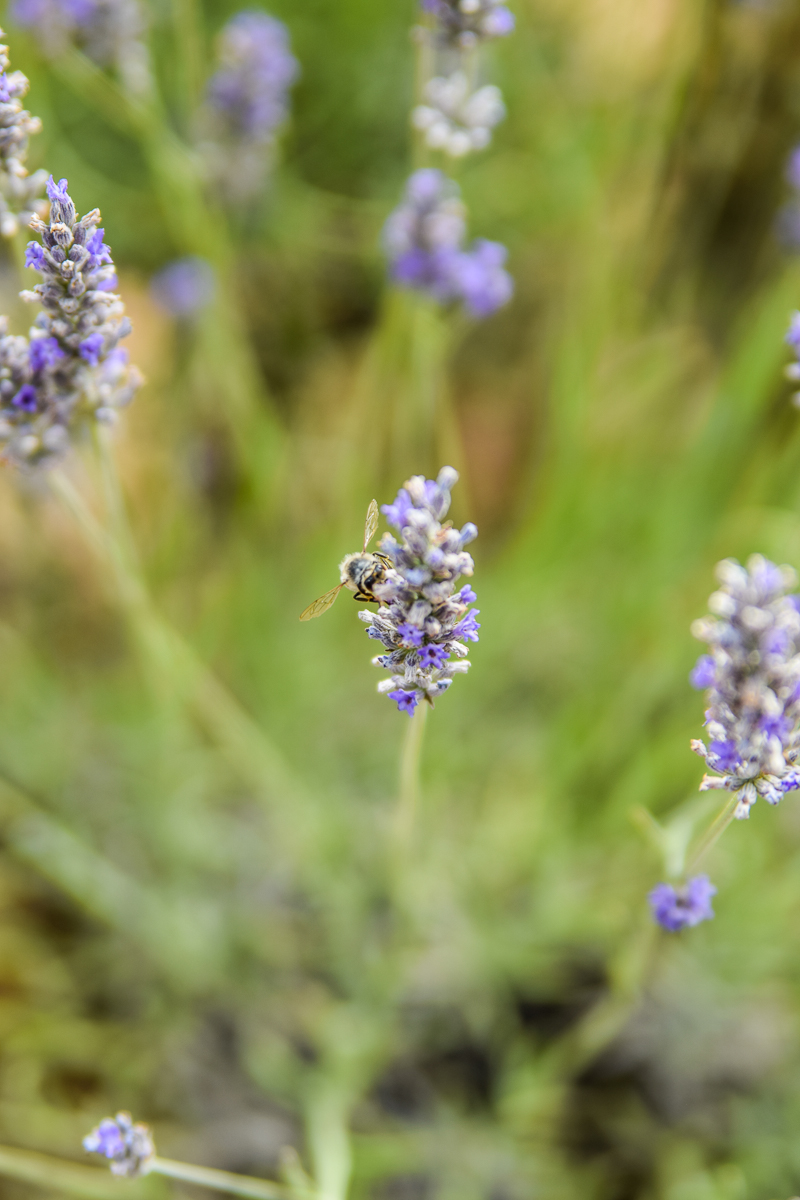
(358, 572)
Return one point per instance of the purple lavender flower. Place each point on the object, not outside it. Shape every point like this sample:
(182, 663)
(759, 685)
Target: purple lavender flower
(184, 287)
(71, 367)
(423, 236)
(20, 193)
(108, 31)
(420, 613)
(676, 908)
(247, 99)
(126, 1145)
(482, 281)
(702, 674)
(423, 239)
(753, 715)
(465, 23)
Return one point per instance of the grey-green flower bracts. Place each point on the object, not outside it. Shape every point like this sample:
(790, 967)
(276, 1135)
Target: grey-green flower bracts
(72, 366)
(20, 193)
(423, 622)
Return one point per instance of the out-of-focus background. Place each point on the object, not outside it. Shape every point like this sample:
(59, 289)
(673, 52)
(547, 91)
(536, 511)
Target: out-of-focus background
(203, 943)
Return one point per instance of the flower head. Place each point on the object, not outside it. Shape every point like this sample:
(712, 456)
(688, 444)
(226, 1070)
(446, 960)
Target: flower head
(72, 365)
(483, 282)
(423, 239)
(20, 193)
(454, 117)
(126, 1145)
(752, 673)
(465, 23)
(676, 908)
(247, 99)
(108, 31)
(422, 619)
(184, 287)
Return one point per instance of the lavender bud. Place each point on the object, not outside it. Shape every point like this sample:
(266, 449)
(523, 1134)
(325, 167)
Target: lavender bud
(126, 1145)
(456, 119)
(676, 908)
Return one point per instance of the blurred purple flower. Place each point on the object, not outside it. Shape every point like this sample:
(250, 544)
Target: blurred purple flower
(126, 1145)
(249, 91)
(184, 287)
(423, 239)
(676, 908)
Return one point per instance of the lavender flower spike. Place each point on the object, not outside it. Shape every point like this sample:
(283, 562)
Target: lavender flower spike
(71, 367)
(676, 908)
(753, 715)
(126, 1145)
(247, 99)
(423, 623)
(19, 192)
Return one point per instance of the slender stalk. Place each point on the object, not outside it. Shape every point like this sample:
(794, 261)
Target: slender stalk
(713, 833)
(220, 1181)
(189, 54)
(329, 1140)
(173, 666)
(410, 757)
(72, 1178)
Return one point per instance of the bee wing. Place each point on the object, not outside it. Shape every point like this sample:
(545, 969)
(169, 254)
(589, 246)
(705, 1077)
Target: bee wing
(372, 522)
(322, 605)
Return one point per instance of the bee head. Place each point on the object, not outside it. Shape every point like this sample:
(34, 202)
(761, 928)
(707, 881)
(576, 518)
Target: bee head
(353, 569)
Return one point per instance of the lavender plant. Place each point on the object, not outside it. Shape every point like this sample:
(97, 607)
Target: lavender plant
(423, 622)
(20, 193)
(71, 366)
(246, 102)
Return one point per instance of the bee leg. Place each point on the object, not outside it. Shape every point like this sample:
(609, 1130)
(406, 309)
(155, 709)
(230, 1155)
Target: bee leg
(364, 599)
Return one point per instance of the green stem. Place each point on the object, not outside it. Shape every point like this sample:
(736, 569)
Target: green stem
(173, 666)
(72, 1178)
(329, 1140)
(189, 55)
(410, 758)
(713, 833)
(220, 1181)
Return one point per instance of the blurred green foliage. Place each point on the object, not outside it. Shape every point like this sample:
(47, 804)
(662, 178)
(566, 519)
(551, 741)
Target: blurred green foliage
(221, 954)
